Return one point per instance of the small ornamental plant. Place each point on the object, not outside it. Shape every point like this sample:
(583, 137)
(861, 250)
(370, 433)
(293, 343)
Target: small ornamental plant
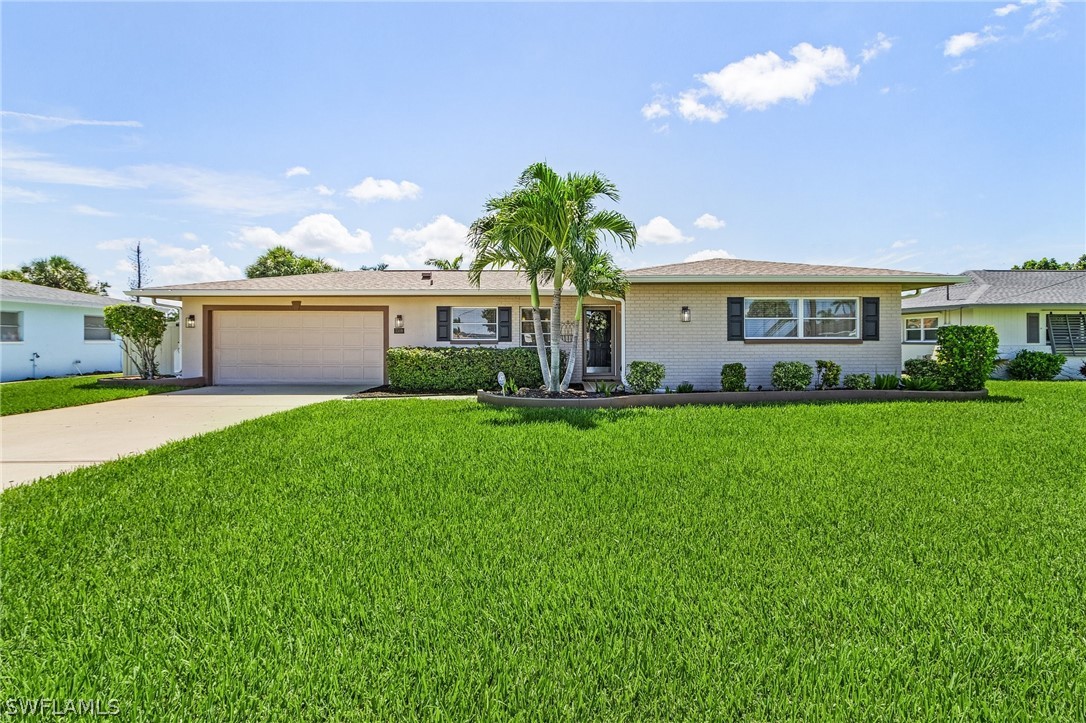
(858, 381)
(794, 376)
(1035, 365)
(141, 329)
(827, 374)
(733, 377)
(645, 377)
(966, 356)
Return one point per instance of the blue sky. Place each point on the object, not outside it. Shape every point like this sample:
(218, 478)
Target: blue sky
(933, 136)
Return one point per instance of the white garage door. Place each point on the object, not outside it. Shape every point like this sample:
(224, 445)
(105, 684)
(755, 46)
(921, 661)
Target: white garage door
(298, 347)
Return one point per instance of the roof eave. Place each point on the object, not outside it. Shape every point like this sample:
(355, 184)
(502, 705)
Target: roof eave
(178, 294)
(911, 281)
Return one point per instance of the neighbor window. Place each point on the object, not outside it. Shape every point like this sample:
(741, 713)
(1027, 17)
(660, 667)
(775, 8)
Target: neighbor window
(802, 318)
(94, 329)
(923, 328)
(527, 326)
(474, 323)
(11, 326)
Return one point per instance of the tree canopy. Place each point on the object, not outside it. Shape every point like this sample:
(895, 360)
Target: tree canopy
(1047, 264)
(281, 261)
(59, 272)
(446, 264)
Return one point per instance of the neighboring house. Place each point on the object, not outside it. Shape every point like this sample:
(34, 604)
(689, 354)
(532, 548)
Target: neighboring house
(47, 332)
(1038, 310)
(692, 317)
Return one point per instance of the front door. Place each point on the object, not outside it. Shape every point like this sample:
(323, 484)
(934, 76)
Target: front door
(599, 341)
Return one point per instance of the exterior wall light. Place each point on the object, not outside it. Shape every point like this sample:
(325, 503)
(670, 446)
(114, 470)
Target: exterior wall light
(397, 324)
(190, 321)
(684, 315)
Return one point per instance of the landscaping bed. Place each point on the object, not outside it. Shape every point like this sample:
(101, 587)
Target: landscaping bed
(136, 382)
(388, 392)
(586, 400)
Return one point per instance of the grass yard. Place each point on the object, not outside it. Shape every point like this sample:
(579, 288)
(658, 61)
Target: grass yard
(417, 559)
(39, 394)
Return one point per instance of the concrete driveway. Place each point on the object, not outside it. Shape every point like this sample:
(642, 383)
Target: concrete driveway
(40, 444)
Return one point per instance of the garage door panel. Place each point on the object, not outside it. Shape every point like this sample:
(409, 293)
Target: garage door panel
(298, 347)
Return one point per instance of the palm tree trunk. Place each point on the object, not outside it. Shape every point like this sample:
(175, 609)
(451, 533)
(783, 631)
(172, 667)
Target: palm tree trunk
(555, 381)
(575, 351)
(541, 347)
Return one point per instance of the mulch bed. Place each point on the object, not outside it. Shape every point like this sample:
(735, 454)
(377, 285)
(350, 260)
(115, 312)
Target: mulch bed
(571, 394)
(387, 391)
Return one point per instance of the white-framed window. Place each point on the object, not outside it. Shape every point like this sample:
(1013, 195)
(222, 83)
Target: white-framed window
(801, 318)
(94, 329)
(922, 329)
(472, 323)
(11, 326)
(527, 326)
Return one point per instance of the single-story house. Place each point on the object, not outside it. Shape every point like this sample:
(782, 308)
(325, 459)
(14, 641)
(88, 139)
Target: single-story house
(1037, 310)
(692, 317)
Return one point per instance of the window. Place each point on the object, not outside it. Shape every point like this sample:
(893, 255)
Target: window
(527, 326)
(11, 326)
(474, 324)
(801, 319)
(94, 329)
(925, 328)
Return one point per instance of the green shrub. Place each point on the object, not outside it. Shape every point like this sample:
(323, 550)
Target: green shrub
(606, 389)
(141, 329)
(645, 377)
(733, 377)
(792, 376)
(827, 374)
(1035, 365)
(461, 369)
(922, 367)
(920, 384)
(1082, 369)
(858, 381)
(887, 381)
(966, 356)
(684, 388)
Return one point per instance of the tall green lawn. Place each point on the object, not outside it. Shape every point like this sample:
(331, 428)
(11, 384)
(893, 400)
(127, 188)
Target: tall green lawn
(39, 394)
(420, 559)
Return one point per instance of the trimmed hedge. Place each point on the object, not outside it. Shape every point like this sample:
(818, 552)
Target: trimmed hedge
(858, 381)
(645, 377)
(1035, 365)
(733, 377)
(966, 356)
(462, 369)
(794, 376)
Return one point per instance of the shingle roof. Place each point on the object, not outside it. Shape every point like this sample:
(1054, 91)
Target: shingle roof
(743, 267)
(1005, 287)
(19, 291)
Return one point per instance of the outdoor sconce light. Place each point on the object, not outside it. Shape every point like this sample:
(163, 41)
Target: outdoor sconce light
(684, 315)
(190, 321)
(397, 324)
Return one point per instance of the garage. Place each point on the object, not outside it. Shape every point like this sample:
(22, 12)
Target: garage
(298, 347)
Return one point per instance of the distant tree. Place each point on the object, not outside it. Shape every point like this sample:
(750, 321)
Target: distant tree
(375, 267)
(141, 270)
(1047, 264)
(281, 261)
(141, 329)
(446, 264)
(59, 272)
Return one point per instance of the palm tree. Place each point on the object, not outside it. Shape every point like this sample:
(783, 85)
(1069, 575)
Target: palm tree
(446, 264)
(591, 272)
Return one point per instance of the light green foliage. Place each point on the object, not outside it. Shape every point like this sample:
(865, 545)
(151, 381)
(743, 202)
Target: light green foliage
(966, 356)
(412, 559)
(59, 272)
(792, 376)
(858, 381)
(828, 374)
(40, 394)
(281, 261)
(1047, 264)
(141, 329)
(645, 377)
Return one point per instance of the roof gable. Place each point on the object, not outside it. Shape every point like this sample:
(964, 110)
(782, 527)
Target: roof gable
(1003, 287)
(32, 293)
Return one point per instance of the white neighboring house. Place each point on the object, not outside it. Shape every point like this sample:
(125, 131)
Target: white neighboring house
(47, 332)
(1036, 310)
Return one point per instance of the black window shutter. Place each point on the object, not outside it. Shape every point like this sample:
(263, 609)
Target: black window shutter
(443, 313)
(871, 318)
(1033, 328)
(505, 323)
(735, 318)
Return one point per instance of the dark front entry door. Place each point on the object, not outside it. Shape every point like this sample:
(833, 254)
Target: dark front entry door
(599, 357)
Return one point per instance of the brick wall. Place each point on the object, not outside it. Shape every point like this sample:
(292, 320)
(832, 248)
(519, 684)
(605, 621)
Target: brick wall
(694, 351)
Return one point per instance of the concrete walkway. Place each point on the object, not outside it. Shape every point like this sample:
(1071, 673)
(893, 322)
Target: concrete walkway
(40, 444)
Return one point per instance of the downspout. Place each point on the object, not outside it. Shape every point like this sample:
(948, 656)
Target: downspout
(622, 348)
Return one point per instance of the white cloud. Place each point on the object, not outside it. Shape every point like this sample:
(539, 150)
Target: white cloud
(21, 195)
(956, 45)
(691, 108)
(708, 254)
(86, 210)
(661, 231)
(383, 189)
(297, 171)
(759, 81)
(904, 243)
(323, 190)
(35, 122)
(1007, 10)
(31, 166)
(191, 266)
(964, 65)
(708, 220)
(319, 234)
(884, 90)
(1043, 15)
(190, 236)
(443, 238)
(240, 193)
(876, 47)
(663, 128)
(654, 109)
(123, 244)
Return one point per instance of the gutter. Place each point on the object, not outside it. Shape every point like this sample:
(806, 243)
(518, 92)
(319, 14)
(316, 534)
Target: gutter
(918, 280)
(178, 294)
